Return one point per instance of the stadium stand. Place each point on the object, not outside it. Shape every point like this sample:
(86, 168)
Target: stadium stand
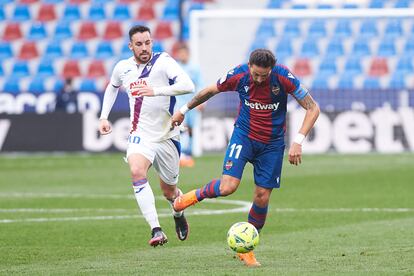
(84, 39)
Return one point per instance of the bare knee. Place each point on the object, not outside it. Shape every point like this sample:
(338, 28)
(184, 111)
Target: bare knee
(228, 185)
(138, 173)
(262, 196)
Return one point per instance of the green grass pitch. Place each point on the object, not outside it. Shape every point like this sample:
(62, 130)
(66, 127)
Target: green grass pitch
(335, 214)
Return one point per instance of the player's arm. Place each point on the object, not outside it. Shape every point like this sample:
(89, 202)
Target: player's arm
(198, 99)
(111, 92)
(304, 98)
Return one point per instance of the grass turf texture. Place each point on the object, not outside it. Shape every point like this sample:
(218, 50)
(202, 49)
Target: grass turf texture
(317, 223)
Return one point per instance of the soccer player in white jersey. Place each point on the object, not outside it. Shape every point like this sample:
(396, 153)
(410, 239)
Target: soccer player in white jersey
(151, 81)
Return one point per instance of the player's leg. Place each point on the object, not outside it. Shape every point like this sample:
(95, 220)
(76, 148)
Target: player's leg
(237, 155)
(267, 165)
(258, 211)
(166, 163)
(140, 156)
(267, 172)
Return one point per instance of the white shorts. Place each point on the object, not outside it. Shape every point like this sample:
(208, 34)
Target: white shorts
(163, 155)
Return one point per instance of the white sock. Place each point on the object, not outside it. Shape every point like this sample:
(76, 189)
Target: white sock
(146, 201)
(171, 202)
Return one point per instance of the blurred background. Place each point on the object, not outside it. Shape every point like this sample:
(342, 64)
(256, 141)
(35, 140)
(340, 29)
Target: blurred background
(57, 57)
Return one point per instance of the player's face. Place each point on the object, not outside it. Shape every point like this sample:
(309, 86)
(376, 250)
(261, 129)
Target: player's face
(259, 74)
(141, 46)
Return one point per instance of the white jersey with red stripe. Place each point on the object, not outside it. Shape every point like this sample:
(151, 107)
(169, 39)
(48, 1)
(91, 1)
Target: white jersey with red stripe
(150, 116)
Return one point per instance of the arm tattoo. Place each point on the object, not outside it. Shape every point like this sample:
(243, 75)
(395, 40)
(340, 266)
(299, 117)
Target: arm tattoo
(200, 98)
(307, 102)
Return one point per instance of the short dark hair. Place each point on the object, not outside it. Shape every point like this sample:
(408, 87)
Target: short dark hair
(138, 29)
(263, 58)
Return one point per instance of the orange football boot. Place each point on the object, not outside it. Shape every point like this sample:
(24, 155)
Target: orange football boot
(185, 200)
(249, 259)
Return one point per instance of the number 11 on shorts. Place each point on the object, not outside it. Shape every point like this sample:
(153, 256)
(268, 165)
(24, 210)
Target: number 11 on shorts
(237, 148)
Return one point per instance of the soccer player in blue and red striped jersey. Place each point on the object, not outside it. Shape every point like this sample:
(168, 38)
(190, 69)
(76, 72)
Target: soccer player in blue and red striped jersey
(258, 135)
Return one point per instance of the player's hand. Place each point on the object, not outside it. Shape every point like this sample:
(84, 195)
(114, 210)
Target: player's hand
(295, 154)
(104, 127)
(144, 90)
(177, 119)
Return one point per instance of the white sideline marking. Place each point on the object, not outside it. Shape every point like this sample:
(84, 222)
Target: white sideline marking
(241, 206)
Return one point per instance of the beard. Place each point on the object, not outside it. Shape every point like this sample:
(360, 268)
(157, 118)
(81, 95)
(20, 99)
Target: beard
(143, 57)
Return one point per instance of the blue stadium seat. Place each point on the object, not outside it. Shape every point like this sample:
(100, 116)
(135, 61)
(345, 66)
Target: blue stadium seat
(2, 15)
(409, 46)
(327, 67)
(346, 81)
(171, 12)
(185, 31)
(63, 30)
(284, 49)
(266, 29)
(274, 4)
(5, 50)
(196, 6)
(37, 31)
(360, 48)
(393, 29)
(121, 12)
(371, 83)
(1, 70)
(37, 86)
(157, 46)
(317, 29)
(350, 6)
(324, 6)
(88, 85)
(104, 50)
(79, 50)
(58, 85)
(402, 4)
(299, 6)
(376, 4)
(343, 29)
(335, 48)
(45, 68)
(12, 85)
(53, 50)
(397, 81)
(71, 13)
(96, 12)
(309, 48)
(353, 66)
(21, 13)
(320, 82)
(125, 51)
(386, 48)
(258, 43)
(369, 29)
(291, 28)
(404, 65)
(20, 69)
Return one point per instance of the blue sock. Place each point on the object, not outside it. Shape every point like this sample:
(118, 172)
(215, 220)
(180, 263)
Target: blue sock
(257, 216)
(211, 190)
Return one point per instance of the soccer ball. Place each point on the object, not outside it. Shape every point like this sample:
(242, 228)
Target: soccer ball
(242, 237)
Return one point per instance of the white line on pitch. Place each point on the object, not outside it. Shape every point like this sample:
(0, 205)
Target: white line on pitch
(207, 212)
(345, 210)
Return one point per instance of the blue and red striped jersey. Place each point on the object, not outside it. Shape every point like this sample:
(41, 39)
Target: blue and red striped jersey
(262, 112)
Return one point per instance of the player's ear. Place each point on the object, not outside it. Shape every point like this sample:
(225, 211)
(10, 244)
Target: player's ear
(130, 45)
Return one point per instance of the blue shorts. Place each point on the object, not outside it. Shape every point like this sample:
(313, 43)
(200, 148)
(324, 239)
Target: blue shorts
(266, 159)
